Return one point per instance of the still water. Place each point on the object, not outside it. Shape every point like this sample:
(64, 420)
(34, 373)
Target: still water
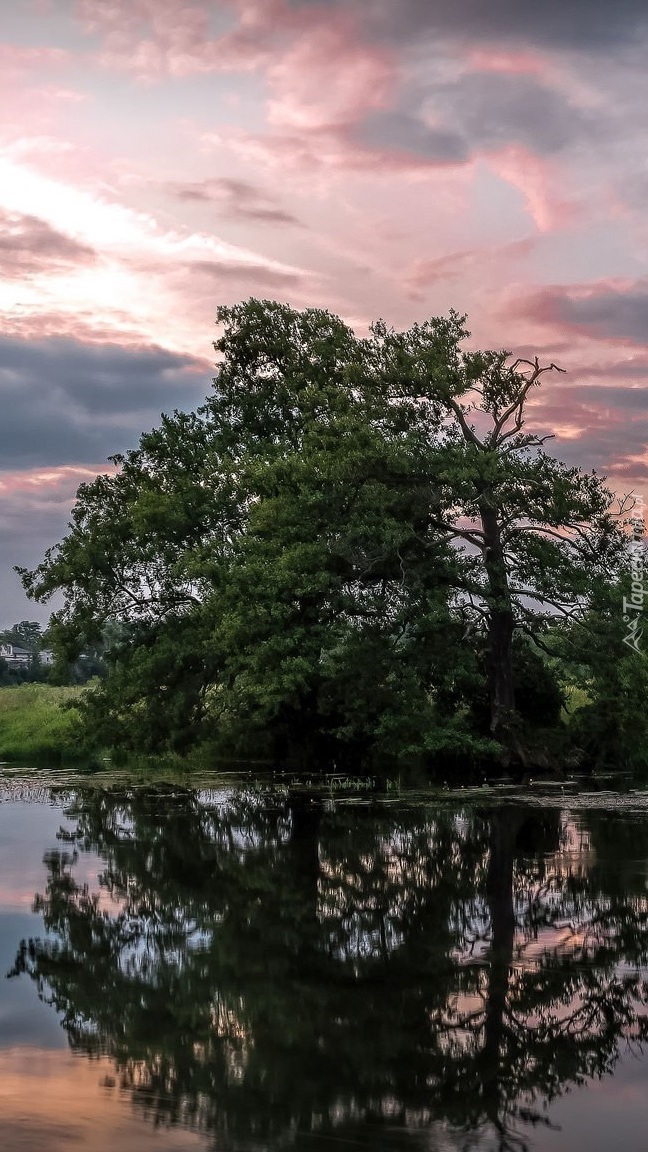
(243, 966)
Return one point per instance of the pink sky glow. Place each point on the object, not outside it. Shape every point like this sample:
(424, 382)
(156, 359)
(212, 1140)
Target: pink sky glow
(375, 158)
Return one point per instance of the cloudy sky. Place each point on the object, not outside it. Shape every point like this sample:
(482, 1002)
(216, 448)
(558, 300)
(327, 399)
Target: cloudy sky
(389, 158)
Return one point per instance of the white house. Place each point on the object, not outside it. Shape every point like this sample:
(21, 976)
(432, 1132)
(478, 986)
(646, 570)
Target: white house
(15, 657)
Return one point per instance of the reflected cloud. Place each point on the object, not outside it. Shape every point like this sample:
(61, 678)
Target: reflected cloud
(52, 1102)
(260, 967)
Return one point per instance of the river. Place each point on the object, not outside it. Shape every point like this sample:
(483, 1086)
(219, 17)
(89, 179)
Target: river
(239, 963)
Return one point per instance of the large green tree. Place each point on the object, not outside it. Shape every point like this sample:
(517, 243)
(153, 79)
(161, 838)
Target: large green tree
(328, 545)
(538, 537)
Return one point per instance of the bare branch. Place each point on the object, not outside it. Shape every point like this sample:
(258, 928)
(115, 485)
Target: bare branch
(517, 405)
(536, 640)
(469, 433)
(542, 598)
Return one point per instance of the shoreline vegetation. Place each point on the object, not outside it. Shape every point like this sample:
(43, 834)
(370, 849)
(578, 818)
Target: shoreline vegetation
(42, 726)
(42, 730)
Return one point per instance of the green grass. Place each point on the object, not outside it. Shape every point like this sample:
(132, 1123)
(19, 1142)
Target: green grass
(34, 726)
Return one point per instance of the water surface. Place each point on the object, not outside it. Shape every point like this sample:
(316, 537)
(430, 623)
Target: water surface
(243, 966)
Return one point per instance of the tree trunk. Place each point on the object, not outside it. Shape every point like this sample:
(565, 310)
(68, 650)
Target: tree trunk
(500, 627)
(303, 880)
(306, 818)
(499, 892)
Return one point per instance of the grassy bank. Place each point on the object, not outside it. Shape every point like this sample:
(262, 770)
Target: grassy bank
(35, 726)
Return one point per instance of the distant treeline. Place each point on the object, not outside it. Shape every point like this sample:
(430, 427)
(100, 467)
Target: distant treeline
(26, 658)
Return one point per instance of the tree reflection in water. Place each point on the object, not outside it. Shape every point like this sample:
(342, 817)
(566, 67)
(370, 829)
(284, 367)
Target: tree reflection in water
(267, 968)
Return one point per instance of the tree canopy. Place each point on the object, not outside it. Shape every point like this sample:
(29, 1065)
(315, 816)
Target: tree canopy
(335, 551)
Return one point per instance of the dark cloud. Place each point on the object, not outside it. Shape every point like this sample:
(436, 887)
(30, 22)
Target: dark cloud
(631, 187)
(32, 519)
(611, 315)
(247, 276)
(29, 246)
(256, 274)
(610, 427)
(614, 451)
(64, 402)
(614, 398)
(604, 313)
(634, 368)
(492, 110)
(405, 132)
(570, 24)
(482, 110)
(237, 199)
(67, 403)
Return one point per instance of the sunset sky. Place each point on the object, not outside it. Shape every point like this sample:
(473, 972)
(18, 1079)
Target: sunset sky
(379, 158)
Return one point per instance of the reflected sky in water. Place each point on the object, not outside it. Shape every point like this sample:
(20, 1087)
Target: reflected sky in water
(272, 968)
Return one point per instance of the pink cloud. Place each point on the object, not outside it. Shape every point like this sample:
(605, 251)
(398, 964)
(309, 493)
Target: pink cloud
(20, 59)
(90, 259)
(329, 78)
(81, 324)
(49, 485)
(541, 184)
(154, 38)
(423, 273)
(633, 366)
(31, 91)
(487, 58)
(323, 150)
(595, 427)
(154, 34)
(320, 73)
